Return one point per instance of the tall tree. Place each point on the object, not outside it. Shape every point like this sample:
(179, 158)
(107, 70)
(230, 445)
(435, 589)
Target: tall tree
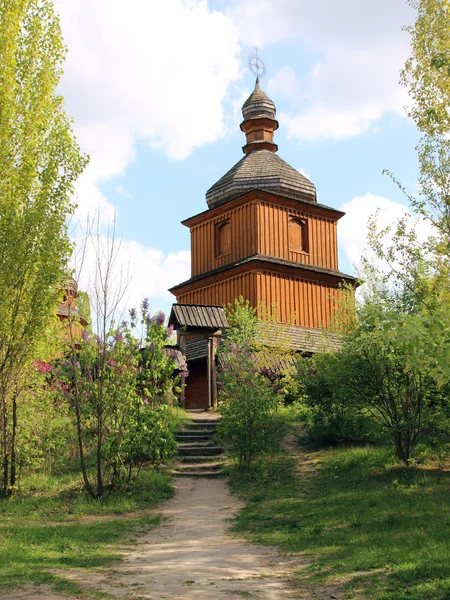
(426, 75)
(39, 163)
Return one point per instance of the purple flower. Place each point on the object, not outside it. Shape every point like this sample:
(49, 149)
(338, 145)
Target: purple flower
(144, 306)
(133, 314)
(118, 335)
(124, 324)
(85, 335)
(170, 329)
(160, 318)
(152, 347)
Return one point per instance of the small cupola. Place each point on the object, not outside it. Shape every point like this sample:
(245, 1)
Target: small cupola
(259, 124)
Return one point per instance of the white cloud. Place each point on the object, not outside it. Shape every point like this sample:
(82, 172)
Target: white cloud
(150, 72)
(304, 173)
(154, 72)
(361, 48)
(353, 229)
(285, 84)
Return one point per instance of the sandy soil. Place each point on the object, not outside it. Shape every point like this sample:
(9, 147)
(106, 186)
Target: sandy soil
(190, 556)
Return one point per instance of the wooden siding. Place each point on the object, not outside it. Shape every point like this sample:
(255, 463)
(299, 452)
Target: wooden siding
(261, 228)
(296, 301)
(223, 292)
(208, 253)
(290, 299)
(273, 236)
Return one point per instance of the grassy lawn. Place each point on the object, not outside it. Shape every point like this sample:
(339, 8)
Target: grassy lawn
(382, 529)
(50, 523)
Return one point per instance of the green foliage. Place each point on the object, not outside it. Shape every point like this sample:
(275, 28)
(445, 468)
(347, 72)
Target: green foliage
(248, 398)
(363, 534)
(242, 321)
(41, 531)
(39, 163)
(336, 415)
(427, 77)
(384, 371)
(117, 390)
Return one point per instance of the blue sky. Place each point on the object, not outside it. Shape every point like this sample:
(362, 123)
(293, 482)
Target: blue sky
(156, 90)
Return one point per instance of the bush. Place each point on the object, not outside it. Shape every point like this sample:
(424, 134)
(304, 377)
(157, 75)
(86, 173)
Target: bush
(248, 403)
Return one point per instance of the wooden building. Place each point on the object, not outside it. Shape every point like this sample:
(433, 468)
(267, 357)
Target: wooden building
(68, 312)
(265, 237)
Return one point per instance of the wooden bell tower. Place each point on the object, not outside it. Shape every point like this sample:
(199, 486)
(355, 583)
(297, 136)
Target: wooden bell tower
(264, 235)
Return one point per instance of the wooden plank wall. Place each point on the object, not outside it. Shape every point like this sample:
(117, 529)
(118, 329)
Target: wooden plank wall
(223, 292)
(298, 301)
(273, 236)
(263, 228)
(243, 239)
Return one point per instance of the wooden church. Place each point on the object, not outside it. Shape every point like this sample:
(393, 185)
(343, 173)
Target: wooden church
(264, 237)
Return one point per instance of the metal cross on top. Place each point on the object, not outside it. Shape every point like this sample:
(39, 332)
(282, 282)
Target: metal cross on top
(256, 65)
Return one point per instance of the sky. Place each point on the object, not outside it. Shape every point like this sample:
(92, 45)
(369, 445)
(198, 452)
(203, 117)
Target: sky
(156, 87)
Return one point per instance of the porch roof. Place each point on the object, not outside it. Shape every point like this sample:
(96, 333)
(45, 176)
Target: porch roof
(198, 316)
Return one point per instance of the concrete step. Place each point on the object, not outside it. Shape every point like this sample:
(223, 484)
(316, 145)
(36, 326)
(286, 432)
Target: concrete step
(212, 422)
(199, 432)
(207, 466)
(199, 427)
(196, 450)
(206, 474)
(192, 438)
(197, 459)
(200, 444)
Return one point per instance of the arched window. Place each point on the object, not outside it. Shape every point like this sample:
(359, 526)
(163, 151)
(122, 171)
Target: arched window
(298, 235)
(223, 238)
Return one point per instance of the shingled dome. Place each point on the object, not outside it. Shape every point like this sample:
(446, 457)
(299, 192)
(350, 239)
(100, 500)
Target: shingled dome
(262, 170)
(258, 105)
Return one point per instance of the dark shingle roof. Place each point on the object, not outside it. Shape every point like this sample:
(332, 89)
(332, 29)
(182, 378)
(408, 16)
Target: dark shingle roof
(296, 337)
(198, 315)
(284, 338)
(196, 348)
(70, 311)
(175, 354)
(262, 170)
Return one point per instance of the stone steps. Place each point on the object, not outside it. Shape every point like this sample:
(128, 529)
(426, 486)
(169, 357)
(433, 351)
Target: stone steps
(190, 450)
(198, 454)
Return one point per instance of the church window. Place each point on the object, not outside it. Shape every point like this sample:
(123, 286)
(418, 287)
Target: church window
(223, 238)
(298, 235)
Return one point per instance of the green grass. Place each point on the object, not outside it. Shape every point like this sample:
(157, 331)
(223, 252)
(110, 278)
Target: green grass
(381, 528)
(41, 529)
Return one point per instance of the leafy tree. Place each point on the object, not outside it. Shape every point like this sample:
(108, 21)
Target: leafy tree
(39, 162)
(117, 389)
(385, 371)
(248, 395)
(426, 75)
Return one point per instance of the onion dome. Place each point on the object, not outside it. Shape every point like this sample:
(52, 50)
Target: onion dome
(259, 122)
(261, 168)
(258, 105)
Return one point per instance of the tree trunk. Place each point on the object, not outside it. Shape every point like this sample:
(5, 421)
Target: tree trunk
(12, 478)
(4, 446)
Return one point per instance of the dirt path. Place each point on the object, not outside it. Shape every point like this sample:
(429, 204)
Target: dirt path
(192, 557)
